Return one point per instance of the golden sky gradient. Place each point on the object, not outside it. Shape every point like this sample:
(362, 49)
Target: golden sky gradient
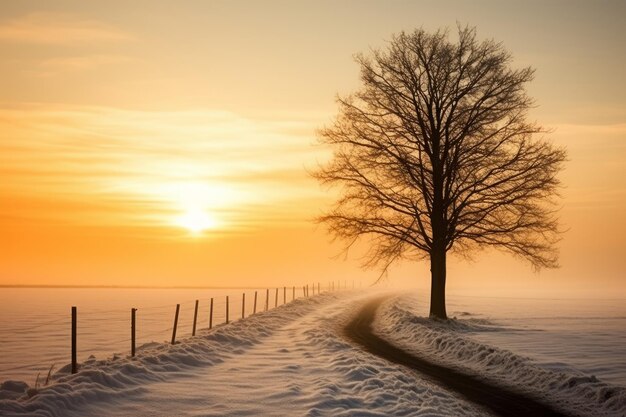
(155, 143)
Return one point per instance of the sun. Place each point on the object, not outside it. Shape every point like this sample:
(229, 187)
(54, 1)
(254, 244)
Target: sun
(196, 220)
(197, 206)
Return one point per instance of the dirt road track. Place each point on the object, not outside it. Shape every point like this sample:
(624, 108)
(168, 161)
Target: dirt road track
(501, 401)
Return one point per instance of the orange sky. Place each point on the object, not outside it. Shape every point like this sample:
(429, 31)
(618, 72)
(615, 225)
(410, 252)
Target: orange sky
(123, 127)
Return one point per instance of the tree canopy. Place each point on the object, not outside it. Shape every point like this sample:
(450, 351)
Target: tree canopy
(435, 153)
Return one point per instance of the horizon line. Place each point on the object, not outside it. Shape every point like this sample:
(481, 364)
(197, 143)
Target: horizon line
(190, 287)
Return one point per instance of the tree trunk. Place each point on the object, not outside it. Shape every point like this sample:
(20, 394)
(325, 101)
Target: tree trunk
(438, 284)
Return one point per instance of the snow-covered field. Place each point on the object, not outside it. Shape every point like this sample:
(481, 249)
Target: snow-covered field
(293, 360)
(478, 346)
(35, 325)
(578, 335)
(289, 361)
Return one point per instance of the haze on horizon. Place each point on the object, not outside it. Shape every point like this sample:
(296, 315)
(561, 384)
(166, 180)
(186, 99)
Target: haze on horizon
(153, 144)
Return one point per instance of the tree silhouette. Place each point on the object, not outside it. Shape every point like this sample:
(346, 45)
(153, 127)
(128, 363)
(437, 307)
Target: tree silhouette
(434, 153)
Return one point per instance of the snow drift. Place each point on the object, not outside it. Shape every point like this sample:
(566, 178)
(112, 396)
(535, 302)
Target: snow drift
(449, 343)
(294, 360)
(289, 361)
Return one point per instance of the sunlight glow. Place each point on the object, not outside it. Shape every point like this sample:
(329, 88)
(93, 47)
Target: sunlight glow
(196, 220)
(198, 202)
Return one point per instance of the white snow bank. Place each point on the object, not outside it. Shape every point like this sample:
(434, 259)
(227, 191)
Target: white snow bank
(289, 361)
(449, 343)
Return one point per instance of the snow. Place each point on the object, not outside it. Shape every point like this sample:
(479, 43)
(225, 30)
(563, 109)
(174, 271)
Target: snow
(293, 360)
(37, 320)
(453, 343)
(289, 361)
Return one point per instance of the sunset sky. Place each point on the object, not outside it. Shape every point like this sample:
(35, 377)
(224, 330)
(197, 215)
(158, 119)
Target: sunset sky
(168, 143)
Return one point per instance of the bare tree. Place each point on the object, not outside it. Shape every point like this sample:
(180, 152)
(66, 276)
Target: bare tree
(434, 153)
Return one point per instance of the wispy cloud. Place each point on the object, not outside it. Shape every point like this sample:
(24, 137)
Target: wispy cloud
(58, 28)
(79, 63)
(134, 168)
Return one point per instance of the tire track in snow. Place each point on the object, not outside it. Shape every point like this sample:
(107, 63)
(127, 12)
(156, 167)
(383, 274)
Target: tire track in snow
(497, 399)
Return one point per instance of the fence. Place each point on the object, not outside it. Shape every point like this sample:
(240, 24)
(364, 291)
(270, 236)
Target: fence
(213, 317)
(40, 332)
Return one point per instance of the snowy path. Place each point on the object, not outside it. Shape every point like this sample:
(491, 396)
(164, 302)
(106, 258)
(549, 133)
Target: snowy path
(274, 376)
(303, 368)
(296, 360)
(498, 399)
(292, 361)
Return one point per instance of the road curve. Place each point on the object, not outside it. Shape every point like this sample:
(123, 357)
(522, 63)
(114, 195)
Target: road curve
(499, 400)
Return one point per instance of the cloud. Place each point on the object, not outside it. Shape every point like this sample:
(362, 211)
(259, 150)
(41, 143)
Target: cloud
(79, 63)
(143, 168)
(62, 65)
(58, 28)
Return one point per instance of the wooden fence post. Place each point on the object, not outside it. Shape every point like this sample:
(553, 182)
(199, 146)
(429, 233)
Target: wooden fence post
(276, 299)
(267, 299)
(318, 288)
(74, 319)
(293, 294)
(195, 319)
(243, 306)
(303, 292)
(211, 315)
(133, 331)
(254, 309)
(284, 295)
(175, 323)
(227, 309)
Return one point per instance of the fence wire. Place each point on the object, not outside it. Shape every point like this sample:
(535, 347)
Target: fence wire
(106, 331)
